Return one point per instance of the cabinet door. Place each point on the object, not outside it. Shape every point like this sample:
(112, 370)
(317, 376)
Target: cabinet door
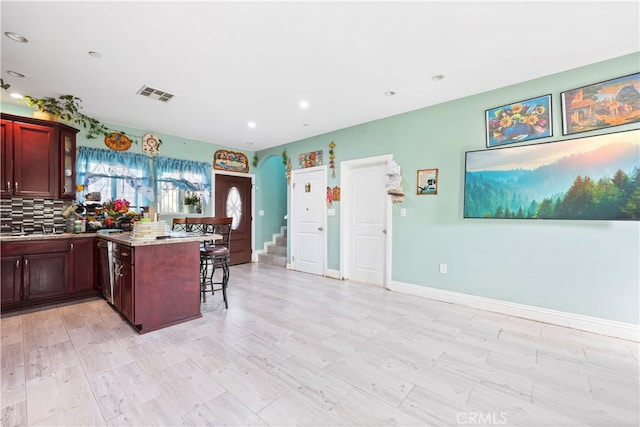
(126, 292)
(6, 167)
(45, 275)
(11, 279)
(117, 282)
(35, 160)
(67, 164)
(82, 265)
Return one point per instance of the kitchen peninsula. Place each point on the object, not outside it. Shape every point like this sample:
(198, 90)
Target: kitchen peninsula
(156, 281)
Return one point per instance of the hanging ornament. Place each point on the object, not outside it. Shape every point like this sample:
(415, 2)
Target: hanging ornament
(332, 156)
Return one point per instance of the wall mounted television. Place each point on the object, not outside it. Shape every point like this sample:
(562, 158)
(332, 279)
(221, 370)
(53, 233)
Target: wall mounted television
(588, 178)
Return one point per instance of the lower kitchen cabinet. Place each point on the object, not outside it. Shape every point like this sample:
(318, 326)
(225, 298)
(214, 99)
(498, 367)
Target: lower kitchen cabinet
(83, 271)
(123, 281)
(45, 271)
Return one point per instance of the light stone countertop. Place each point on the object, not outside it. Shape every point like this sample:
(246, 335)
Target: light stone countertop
(124, 238)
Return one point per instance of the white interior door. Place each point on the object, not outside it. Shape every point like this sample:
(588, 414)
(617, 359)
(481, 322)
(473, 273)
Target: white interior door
(308, 219)
(366, 221)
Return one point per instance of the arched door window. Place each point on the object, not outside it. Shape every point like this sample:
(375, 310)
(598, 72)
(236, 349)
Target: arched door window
(234, 206)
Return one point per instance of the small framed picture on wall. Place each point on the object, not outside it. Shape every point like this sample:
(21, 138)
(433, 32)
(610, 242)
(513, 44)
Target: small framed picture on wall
(427, 182)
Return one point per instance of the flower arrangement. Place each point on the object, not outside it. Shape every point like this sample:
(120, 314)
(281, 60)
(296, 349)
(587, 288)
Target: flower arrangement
(116, 210)
(516, 122)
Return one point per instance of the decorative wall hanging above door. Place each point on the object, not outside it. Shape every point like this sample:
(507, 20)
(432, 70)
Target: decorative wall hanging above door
(117, 141)
(230, 161)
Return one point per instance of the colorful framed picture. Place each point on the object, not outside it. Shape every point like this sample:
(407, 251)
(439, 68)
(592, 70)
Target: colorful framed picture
(230, 161)
(427, 182)
(309, 160)
(521, 121)
(601, 105)
(588, 178)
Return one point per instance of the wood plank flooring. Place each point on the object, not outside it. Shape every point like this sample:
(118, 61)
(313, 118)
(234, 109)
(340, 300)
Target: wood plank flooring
(300, 350)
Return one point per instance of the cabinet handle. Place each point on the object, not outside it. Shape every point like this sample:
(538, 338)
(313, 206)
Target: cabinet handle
(17, 264)
(26, 264)
(124, 254)
(71, 245)
(16, 186)
(8, 185)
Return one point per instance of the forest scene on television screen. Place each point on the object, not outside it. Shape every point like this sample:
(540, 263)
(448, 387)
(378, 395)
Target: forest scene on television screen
(601, 184)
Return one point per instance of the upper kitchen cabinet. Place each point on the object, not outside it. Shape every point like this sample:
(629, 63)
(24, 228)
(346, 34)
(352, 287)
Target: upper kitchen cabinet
(38, 158)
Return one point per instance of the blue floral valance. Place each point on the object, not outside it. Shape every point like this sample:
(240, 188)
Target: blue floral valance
(185, 174)
(93, 164)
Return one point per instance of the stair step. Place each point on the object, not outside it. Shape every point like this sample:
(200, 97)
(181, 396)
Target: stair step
(273, 259)
(277, 250)
(281, 241)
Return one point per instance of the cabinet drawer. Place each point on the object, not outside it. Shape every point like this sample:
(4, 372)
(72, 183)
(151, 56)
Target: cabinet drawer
(125, 253)
(34, 247)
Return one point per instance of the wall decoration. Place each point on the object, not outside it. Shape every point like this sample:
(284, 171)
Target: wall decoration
(427, 182)
(332, 157)
(117, 141)
(151, 144)
(601, 105)
(329, 197)
(336, 193)
(521, 121)
(230, 161)
(591, 178)
(393, 185)
(309, 160)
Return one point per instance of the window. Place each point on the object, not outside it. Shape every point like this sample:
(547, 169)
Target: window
(111, 175)
(176, 179)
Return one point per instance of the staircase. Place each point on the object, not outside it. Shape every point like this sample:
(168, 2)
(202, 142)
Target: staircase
(276, 254)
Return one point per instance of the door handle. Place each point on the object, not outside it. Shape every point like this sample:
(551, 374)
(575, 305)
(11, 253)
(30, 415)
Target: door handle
(319, 228)
(384, 231)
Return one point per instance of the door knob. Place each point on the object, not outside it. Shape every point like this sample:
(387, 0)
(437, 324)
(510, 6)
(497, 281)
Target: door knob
(319, 228)
(384, 231)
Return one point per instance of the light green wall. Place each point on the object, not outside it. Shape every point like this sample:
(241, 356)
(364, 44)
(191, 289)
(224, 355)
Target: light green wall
(584, 267)
(270, 198)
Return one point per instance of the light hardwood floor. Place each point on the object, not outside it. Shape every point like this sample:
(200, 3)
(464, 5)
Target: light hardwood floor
(297, 349)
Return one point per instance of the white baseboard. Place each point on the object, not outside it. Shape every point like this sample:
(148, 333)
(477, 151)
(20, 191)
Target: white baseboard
(334, 274)
(595, 325)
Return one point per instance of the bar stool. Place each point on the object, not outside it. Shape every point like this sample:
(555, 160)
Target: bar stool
(214, 254)
(179, 224)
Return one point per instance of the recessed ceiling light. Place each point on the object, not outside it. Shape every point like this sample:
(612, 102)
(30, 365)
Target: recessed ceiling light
(437, 77)
(94, 54)
(16, 37)
(16, 95)
(251, 124)
(15, 74)
(304, 104)
(249, 143)
(389, 93)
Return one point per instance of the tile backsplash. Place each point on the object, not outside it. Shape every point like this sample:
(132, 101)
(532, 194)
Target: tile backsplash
(32, 214)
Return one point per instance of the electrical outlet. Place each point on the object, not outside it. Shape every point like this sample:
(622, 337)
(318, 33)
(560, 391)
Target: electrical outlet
(443, 268)
(260, 212)
(403, 212)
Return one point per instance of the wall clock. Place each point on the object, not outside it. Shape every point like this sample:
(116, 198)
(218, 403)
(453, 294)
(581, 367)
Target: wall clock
(151, 144)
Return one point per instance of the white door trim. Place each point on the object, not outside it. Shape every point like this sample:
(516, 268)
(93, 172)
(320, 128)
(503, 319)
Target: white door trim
(254, 254)
(346, 168)
(291, 220)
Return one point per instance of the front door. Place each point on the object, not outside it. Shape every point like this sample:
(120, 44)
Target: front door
(233, 199)
(308, 215)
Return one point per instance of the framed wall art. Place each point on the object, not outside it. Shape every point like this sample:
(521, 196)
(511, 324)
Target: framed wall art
(230, 161)
(427, 182)
(601, 105)
(589, 178)
(309, 160)
(521, 121)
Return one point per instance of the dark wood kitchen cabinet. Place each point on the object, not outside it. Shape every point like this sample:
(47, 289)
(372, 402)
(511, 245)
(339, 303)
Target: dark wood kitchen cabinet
(34, 272)
(44, 271)
(82, 265)
(38, 158)
(123, 281)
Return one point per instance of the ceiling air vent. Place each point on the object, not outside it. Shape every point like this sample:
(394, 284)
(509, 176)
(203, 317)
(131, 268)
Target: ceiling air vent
(156, 94)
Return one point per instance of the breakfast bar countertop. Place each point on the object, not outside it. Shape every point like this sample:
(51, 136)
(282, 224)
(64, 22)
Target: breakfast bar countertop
(127, 238)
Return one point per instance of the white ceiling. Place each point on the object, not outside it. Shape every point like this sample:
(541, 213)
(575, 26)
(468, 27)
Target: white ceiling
(229, 63)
